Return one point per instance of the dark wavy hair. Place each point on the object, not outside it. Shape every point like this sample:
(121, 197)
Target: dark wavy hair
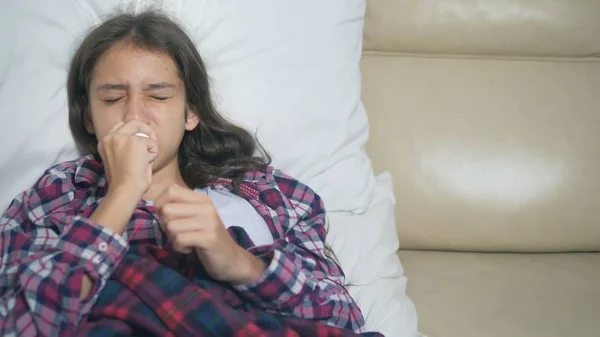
(216, 148)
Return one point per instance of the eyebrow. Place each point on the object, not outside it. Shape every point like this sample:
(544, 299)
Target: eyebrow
(161, 85)
(107, 87)
(149, 87)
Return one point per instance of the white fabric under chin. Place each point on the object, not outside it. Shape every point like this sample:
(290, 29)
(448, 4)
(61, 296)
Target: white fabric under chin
(237, 211)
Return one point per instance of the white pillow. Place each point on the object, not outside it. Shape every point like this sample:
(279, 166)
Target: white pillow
(366, 245)
(37, 37)
(288, 69)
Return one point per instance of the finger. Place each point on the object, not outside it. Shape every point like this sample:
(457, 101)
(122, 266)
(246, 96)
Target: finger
(134, 126)
(183, 226)
(182, 250)
(176, 193)
(151, 147)
(115, 127)
(186, 242)
(152, 134)
(173, 211)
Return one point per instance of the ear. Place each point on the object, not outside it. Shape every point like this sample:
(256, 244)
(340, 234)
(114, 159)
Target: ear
(192, 119)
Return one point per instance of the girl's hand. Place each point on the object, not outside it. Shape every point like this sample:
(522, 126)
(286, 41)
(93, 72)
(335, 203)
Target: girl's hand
(128, 158)
(191, 222)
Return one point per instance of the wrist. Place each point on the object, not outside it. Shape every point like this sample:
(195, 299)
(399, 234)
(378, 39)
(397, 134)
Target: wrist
(249, 269)
(127, 193)
(116, 208)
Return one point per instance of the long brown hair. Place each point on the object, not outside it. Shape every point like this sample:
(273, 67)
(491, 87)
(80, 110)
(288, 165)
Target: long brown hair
(216, 148)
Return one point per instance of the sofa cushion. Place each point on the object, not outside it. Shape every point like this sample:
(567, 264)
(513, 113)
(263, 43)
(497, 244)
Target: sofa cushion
(488, 154)
(499, 295)
(475, 27)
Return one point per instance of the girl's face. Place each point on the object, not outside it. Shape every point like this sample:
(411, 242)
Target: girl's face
(136, 84)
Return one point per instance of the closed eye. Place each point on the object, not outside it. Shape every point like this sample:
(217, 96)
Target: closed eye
(160, 98)
(112, 100)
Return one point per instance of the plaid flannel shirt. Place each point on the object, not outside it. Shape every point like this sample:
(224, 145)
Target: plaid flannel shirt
(47, 244)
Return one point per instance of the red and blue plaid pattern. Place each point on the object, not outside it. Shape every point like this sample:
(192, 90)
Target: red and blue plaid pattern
(47, 244)
(148, 294)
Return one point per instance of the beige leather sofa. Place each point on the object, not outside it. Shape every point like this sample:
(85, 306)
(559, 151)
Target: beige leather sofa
(487, 114)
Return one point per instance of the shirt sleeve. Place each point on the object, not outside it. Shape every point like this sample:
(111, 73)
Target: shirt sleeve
(302, 279)
(45, 252)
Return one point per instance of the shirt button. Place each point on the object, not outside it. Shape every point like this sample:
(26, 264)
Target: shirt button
(103, 246)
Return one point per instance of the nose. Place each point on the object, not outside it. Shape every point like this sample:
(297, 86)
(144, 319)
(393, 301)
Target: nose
(135, 110)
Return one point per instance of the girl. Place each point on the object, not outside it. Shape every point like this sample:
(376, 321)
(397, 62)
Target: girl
(164, 167)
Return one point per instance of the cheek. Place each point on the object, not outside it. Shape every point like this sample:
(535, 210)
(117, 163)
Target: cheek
(167, 117)
(103, 119)
(169, 125)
